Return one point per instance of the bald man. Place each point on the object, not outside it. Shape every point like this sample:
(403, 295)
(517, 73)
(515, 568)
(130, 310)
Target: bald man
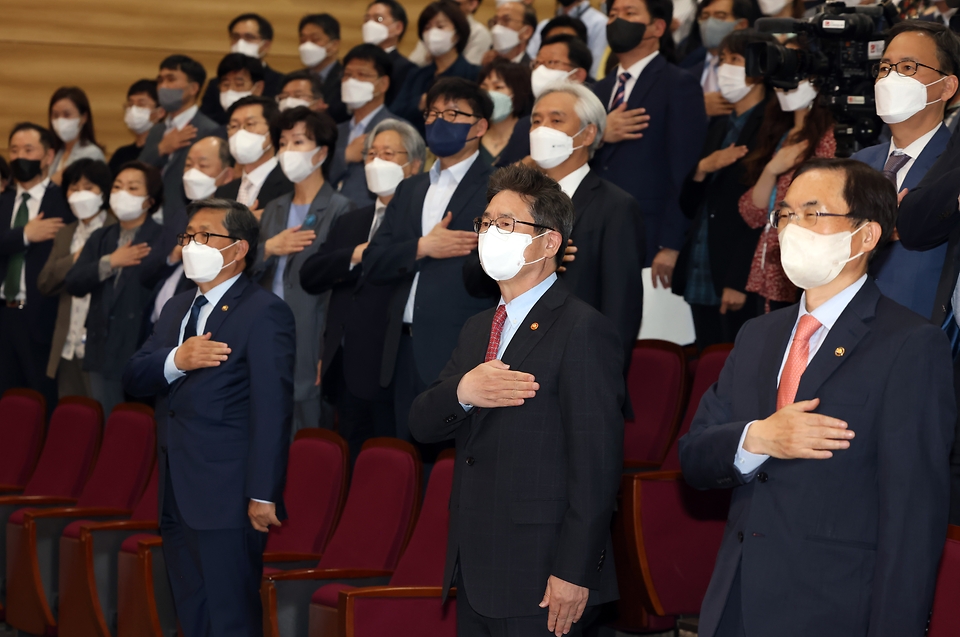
(209, 165)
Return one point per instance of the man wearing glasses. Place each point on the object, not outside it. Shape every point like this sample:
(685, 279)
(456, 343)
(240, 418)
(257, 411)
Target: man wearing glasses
(532, 396)
(832, 423)
(220, 363)
(915, 80)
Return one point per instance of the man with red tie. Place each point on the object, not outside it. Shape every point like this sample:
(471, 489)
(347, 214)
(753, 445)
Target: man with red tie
(832, 422)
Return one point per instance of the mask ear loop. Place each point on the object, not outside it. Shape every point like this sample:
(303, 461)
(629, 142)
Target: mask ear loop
(542, 234)
(224, 248)
(859, 254)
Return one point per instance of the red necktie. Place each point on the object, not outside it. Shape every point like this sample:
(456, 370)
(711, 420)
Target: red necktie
(496, 329)
(796, 361)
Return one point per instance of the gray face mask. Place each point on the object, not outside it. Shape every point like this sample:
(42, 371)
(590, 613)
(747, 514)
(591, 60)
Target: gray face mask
(171, 99)
(713, 31)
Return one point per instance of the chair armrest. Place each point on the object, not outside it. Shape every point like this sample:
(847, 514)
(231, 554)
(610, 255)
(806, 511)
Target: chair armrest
(327, 573)
(279, 556)
(396, 591)
(396, 610)
(149, 543)
(28, 501)
(77, 512)
(118, 525)
(10, 489)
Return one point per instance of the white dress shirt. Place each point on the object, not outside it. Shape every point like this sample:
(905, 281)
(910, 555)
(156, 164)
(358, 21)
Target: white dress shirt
(359, 128)
(167, 292)
(708, 79)
(571, 182)
(634, 70)
(252, 182)
(33, 209)
(443, 183)
(594, 20)
(379, 209)
(75, 345)
(182, 119)
(827, 314)
(913, 150)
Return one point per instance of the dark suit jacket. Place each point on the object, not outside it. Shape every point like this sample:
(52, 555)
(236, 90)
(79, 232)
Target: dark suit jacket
(41, 311)
(275, 185)
(224, 431)
(847, 546)
(401, 67)
(654, 167)
(331, 94)
(350, 179)
(442, 303)
(518, 146)
(694, 61)
(118, 303)
(407, 103)
(534, 487)
(909, 277)
(210, 104)
(357, 314)
(716, 202)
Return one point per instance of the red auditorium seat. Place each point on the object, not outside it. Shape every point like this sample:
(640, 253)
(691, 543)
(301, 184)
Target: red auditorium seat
(23, 414)
(71, 446)
(375, 527)
(666, 534)
(656, 384)
(33, 536)
(314, 495)
(945, 619)
(376, 610)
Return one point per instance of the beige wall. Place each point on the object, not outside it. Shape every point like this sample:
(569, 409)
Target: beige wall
(103, 46)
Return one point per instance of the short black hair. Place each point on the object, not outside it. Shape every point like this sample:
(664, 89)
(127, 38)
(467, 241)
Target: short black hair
(568, 21)
(190, 67)
(517, 77)
(948, 44)
(316, 84)
(271, 113)
(153, 179)
(264, 26)
(239, 223)
(371, 53)
(233, 62)
(93, 170)
(457, 88)
(549, 206)
(869, 195)
(397, 12)
(742, 9)
(320, 127)
(454, 14)
(577, 50)
(325, 21)
(144, 86)
(46, 137)
(736, 41)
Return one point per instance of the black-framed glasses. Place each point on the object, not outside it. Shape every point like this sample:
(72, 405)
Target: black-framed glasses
(200, 238)
(904, 68)
(449, 115)
(504, 225)
(805, 218)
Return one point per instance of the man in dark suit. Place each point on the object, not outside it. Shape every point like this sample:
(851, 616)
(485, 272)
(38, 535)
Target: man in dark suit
(366, 80)
(31, 214)
(254, 130)
(168, 142)
(832, 422)
(421, 245)
(220, 363)
(651, 165)
(319, 46)
(387, 23)
(532, 397)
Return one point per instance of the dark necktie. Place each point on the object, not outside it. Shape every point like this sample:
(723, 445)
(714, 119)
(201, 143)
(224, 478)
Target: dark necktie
(496, 330)
(895, 162)
(618, 97)
(191, 329)
(11, 285)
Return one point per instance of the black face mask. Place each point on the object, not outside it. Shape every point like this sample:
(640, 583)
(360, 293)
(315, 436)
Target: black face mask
(623, 36)
(25, 170)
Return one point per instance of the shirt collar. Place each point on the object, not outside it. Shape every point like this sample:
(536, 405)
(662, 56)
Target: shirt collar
(914, 149)
(519, 58)
(456, 172)
(365, 121)
(571, 182)
(259, 174)
(637, 67)
(36, 192)
(390, 49)
(828, 313)
(518, 308)
(183, 118)
(214, 295)
(379, 207)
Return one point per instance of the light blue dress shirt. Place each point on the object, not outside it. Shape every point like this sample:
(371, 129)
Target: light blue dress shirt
(298, 213)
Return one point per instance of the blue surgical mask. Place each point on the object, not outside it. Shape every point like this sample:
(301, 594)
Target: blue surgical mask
(445, 138)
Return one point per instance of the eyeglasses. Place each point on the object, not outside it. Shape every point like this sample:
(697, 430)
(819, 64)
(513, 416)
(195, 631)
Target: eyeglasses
(904, 68)
(504, 225)
(200, 238)
(386, 154)
(449, 115)
(805, 218)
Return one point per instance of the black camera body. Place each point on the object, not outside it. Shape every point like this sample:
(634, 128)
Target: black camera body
(844, 44)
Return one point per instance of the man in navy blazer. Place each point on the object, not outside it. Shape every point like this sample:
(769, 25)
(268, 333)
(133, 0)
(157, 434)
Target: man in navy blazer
(220, 364)
(651, 165)
(832, 422)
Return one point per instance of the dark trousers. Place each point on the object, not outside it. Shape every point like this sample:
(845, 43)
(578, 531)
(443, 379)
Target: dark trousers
(359, 419)
(712, 327)
(731, 622)
(214, 575)
(23, 360)
(407, 385)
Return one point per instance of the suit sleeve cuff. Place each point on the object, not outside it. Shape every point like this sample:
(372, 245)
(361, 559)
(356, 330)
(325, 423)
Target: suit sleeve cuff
(745, 462)
(170, 371)
(467, 408)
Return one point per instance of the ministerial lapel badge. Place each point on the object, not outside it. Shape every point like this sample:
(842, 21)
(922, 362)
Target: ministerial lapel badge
(534, 326)
(225, 308)
(839, 351)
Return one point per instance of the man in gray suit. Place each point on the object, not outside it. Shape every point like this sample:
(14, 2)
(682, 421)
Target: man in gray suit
(292, 228)
(366, 80)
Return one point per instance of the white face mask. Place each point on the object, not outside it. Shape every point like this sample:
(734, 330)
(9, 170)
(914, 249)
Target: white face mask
(501, 255)
(250, 49)
(798, 99)
(67, 129)
(292, 102)
(810, 259)
(438, 41)
(198, 185)
(900, 98)
(355, 93)
(312, 54)
(247, 147)
(542, 77)
(227, 98)
(550, 147)
(202, 264)
(772, 7)
(504, 38)
(298, 165)
(137, 119)
(383, 176)
(127, 207)
(374, 32)
(732, 80)
(85, 204)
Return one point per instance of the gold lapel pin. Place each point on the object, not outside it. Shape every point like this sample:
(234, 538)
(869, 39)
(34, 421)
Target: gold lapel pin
(225, 308)
(839, 351)
(534, 326)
